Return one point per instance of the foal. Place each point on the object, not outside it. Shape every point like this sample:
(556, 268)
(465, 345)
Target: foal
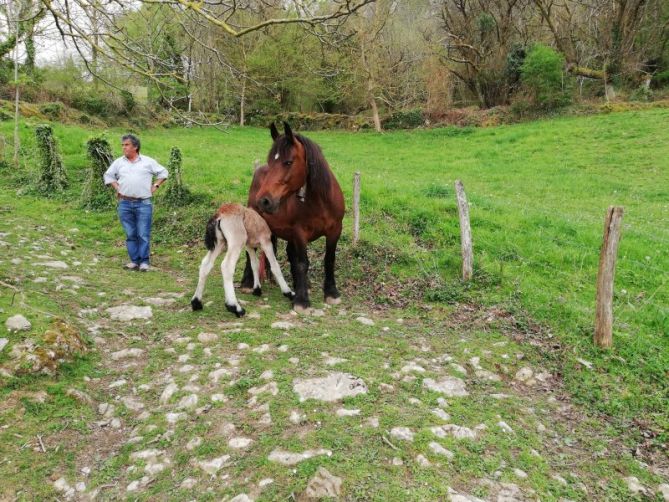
(240, 226)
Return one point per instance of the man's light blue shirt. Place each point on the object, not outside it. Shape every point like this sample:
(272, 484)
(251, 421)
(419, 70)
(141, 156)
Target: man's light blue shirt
(135, 178)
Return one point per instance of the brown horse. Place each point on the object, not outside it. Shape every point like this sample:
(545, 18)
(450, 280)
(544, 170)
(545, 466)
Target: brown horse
(299, 198)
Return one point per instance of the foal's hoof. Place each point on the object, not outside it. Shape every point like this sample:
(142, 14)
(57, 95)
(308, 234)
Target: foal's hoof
(289, 294)
(238, 311)
(333, 301)
(196, 304)
(257, 291)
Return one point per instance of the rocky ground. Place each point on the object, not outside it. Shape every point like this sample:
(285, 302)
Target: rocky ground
(350, 402)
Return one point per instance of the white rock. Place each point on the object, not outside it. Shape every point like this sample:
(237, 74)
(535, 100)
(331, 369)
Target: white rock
(412, 366)
(504, 426)
(186, 368)
(331, 361)
(127, 353)
(520, 473)
(267, 375)
(422, 461)
(559, 479)
(242, 497)
(193, 443)
(373, 422)
(324, 485)
(364, 320)
(168, 392)
(397, 461)
(262, 349)
(265, 482)
(117, 383)
(402, 433)
(343, 412)
(524, 374)
(635, 486)
(285, 325)
(173, 418)
(585, 363)
(188, 483)
(450, 386)
(207, 337)
(456, 431)
(440, 450)
(242, 346)
(214, 465)
(240, 443)
(282, 348)
(216, 375)
(129, 312)
(288, 458)
(663, 490)
(132, 403)
(459, 368)
(441, 414)
(106, 410)
(331, 388)
(188, 402)
(219, 398)
(296, 417)
(53, 264)
(132, 487)
(159, 302)
(151, 453)
(61, 485)
(17, 323)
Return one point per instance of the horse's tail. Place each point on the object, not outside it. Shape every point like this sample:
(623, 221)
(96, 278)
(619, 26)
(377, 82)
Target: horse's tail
(210, 238)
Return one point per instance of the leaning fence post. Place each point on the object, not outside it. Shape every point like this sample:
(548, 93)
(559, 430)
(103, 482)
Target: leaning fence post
(465, 232)
(356, 207)
(607, 271)
(256, 165)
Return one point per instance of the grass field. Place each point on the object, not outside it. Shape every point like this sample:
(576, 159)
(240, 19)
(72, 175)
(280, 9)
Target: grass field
(538, 193)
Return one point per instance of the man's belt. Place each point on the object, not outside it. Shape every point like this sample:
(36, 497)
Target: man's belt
(134, 199)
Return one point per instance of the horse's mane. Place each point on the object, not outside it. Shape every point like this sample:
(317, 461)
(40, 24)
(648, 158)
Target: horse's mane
(319, 177)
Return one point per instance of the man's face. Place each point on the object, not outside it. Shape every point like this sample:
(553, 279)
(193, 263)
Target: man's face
(129, 150)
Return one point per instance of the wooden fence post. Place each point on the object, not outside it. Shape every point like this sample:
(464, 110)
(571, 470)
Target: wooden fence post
(607, 271)
(256, 165)
(356, 207)
(465, 232)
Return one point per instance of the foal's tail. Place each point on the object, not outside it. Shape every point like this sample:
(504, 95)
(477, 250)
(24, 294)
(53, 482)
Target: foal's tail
(210, 234)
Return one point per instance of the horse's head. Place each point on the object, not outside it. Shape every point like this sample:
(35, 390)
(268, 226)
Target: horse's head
(287, 170)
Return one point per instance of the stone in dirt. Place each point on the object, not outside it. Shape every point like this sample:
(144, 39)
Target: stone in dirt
(422, 461)
(216, 375)
(207, 337)
(214, 465)
(449, 386)
(440, 450)
(402, 433)
(331, 388)
(132, 403)
(663, 490)
(127, 353)
(168, 392)
(188, 402)
(460, 497)
(188, 483)
(159, 302)
(54, 264)
(323, 484)
(240, 443)
(343, 412)
(127, 313)
(282, 325)
(193, 443)
(456, 431)
(80, 396)
(288, 458)
(242, 497)
(17, 323)
(441, 414)
(364, 320)
(635, 486)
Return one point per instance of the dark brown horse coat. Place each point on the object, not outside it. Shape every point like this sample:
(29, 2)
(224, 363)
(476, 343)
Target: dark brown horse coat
(299, 198)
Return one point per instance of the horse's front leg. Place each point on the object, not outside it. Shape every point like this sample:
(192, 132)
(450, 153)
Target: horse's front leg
(299, 268)
(329, 285)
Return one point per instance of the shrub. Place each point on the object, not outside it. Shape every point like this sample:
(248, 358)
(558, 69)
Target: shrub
(542, 76)
(96, 195)
(642, 93)
(404, 119)
(52, 174)
(176, 194)
(661, 79)
(52, 110)
(93, 105)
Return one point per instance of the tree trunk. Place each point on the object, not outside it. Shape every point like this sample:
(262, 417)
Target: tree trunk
(15, 10)
(242, 101)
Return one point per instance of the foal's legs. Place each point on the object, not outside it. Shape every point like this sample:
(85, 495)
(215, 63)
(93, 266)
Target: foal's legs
(329, 285)
(235, 246)
(252, 257)
(268, 248)
(205, 267)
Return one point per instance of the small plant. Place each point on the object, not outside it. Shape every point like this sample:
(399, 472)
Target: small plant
(52, 174)
(52, 110)
(96, 195)
(176, 194)
(542, 76)
(405, 119)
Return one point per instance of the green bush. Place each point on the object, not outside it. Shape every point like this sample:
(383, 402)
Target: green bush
(642, 93)
(661, 79)
(96, 195)
(407, 119)
(93, 105)
(52, 174)
(176, 194)
(542, 76)
(52, 110)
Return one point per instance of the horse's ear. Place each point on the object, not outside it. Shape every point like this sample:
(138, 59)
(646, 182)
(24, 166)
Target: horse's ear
(289, 133)
(273, 131)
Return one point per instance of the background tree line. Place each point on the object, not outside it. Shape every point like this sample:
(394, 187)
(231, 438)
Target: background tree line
(379, 63)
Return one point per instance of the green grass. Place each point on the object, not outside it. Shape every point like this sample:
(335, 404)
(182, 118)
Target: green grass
(538, 192)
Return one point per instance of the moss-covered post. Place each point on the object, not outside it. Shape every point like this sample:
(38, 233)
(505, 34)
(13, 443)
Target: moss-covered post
(176, 194)
(52, 174)
(96, 195)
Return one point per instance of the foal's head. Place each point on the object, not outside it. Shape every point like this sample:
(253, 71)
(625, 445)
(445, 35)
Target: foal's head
(287, 169)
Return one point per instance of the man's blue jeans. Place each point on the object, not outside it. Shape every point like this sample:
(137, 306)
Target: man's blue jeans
(136, 219)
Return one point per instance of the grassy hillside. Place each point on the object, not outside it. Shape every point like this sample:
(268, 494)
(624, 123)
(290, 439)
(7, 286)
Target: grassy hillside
(538, 192)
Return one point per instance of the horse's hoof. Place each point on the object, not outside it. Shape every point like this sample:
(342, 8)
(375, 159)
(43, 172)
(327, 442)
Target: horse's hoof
(238, 311)
(246, 290)
(301, 309)
(289, 294)
(333, 301)
(196, 304)
(257, 291)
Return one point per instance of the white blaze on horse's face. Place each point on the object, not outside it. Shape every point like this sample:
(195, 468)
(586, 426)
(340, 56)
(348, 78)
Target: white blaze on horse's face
(276, 157)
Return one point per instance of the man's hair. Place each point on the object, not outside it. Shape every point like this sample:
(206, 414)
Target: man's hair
(133, 139)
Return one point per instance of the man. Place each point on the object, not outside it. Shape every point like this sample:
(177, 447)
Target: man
(132, 178)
